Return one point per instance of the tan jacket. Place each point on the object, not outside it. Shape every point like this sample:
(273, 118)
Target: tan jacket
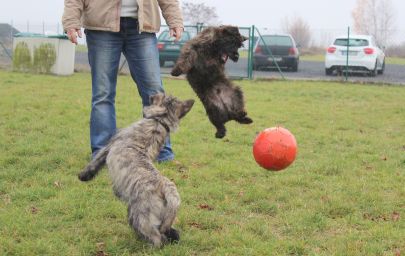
(105, 14)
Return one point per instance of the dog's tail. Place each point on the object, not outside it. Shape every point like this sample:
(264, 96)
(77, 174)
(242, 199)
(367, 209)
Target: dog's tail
(95, 165)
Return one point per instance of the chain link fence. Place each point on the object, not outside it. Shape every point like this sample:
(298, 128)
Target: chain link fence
(320, 39)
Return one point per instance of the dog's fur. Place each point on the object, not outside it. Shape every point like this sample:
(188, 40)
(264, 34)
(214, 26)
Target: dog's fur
(152, 198)
(203, 60)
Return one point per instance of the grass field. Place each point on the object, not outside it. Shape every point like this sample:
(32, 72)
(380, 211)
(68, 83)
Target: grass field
(344, 194)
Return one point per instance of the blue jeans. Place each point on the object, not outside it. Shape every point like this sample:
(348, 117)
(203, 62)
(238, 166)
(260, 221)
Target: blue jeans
(104, 52)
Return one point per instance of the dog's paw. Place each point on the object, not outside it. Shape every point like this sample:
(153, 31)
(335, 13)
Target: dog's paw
(220, 134)
(85, 176)
(245, 120)
(175, 72)
(172, 236)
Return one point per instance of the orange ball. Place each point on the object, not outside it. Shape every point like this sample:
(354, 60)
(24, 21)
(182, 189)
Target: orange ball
(275, 148)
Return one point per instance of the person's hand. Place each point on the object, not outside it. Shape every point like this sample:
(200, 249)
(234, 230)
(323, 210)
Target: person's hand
(73, 33)
(176, 32)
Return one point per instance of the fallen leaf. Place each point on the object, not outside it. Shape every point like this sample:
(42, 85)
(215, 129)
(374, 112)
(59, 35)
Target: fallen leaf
(205, 207)
(182, 169)
(395, 216)
(195, 225)
(380, 217)
(101, 253)
(57, 184)
(100, 249)
(241, 193)
(34, 210)
(325, 199)
(100, 246)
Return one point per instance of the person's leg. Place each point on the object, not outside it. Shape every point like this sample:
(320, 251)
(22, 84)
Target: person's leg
(142, 55)
(104, 52)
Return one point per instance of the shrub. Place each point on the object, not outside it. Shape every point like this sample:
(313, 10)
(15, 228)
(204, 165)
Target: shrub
(44, 58)
(22, 57)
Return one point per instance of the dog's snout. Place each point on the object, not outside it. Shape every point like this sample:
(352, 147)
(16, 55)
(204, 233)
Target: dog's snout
(190, 102)
(234, 56)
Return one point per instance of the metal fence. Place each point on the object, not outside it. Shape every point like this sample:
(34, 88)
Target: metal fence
(7, 32)
(320, 39)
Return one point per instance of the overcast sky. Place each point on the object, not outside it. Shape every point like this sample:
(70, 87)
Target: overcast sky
(319, 14)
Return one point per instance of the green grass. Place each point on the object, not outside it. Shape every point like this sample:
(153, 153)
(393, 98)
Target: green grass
(318, 58)
(81, 48)
(344, 194)
(396, 60)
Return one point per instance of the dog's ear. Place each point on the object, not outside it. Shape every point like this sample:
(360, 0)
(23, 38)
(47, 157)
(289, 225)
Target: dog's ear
(184, 108)
(156, 99)
(223, 30)
(229, 30)
(232, 32)
(156, 107)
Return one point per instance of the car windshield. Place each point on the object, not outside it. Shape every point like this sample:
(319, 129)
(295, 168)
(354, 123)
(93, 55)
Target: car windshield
(352, 42)
(276, 40)
(165, 36)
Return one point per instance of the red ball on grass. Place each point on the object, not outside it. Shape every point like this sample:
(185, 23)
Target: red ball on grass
(275, 148)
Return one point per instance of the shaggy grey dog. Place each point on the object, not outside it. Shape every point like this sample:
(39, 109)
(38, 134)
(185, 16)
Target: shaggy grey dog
(203, 60)
(152, 198)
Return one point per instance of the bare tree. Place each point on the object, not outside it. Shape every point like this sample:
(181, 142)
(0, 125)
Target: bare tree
(376, 18)
(194, 13)
(299, 29)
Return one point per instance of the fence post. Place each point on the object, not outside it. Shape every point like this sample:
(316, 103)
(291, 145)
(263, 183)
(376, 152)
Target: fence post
(347, 53)
(250, 53)
(199, 27)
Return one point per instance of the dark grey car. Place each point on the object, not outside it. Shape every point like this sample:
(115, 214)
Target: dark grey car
(283, 50)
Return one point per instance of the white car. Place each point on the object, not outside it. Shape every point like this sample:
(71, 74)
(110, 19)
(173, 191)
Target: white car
(363, 55)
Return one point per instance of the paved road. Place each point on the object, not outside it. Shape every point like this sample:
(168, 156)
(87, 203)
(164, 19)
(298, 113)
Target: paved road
(310, 70)
(393, 74)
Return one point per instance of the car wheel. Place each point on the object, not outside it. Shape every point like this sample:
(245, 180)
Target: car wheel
(294, 68)
(374, 71)
(381, 71)
(161, 62)
(328, 71)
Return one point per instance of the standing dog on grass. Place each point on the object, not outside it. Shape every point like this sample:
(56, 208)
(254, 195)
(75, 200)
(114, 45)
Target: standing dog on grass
(203, 60)
(152, 198)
